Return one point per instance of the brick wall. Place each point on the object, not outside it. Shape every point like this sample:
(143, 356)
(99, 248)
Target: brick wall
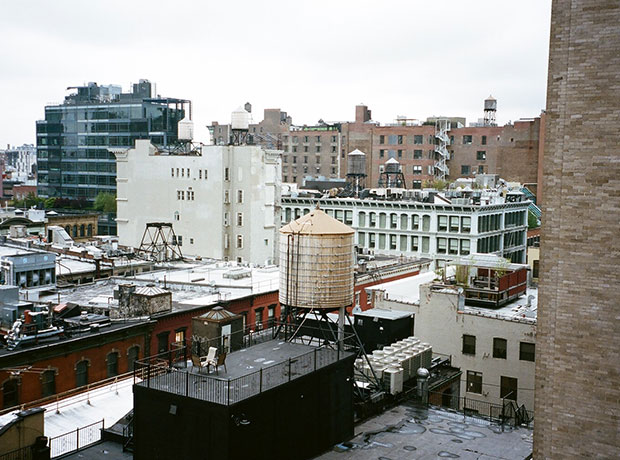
(577, 406)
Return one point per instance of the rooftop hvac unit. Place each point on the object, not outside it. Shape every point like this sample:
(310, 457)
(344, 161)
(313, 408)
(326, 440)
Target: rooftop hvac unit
(403, 361)
(393, 377)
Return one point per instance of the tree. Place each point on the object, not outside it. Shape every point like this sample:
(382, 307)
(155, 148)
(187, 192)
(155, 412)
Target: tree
(105, 202)
(532, 220)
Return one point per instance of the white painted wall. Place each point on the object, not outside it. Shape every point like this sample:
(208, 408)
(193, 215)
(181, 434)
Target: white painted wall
(149, 184)
(441, 322)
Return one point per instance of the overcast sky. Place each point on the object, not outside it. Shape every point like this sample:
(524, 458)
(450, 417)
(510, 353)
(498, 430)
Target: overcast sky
(313, 59)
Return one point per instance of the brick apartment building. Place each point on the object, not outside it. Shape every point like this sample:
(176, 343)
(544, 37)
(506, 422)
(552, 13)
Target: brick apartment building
(512, 151)
(577, 402)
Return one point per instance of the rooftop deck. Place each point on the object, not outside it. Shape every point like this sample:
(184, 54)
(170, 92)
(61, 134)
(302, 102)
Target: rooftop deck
(248, 372)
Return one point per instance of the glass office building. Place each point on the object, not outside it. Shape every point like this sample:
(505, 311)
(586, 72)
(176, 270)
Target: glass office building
(73, 141)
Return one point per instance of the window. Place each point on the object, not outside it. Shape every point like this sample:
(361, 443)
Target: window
(418, 139)
(305, 159)
(271, 315)
(205, 171)
(226, 219)
(484, 140)
(442, 223)
(10, 393)
(133, 353)
(382, 139)
(48, 383)
(527, 351)
(112, 361)
(453, 246)
(417, 170)
(454, 223)
(508, 388)
(372, 218)
(465, 247)
(474, 382)
(162, 341)
(499, 348)
(417, 154)
(414, 243)
(226, 174)
(333, 160)
(172, 171)
(381, 153)
(371, 240)
(239, 196)
(392, 242)
(318, 149)
(393, 220)
(465, 170)
(294, 159)
(258, 314)
(481, 155)
(226, 196)
(318, 138)
(81, 373)
(480, 169)
(415, 222)
(240, 219)
(361, 219)
(469, 344)
(426, 223)
(239, 241)
(467, 140)
(465, 224)
(441, 245)
(400, 139)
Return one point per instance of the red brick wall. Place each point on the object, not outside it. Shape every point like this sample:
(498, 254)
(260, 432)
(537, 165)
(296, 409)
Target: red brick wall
(30, 388)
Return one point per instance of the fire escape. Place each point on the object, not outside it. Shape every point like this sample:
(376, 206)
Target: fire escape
(441, 170)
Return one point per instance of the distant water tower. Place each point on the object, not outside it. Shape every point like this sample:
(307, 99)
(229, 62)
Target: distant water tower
(356, 171)
(316, 268)
(392, 175)
(490, 110)
(240, 126)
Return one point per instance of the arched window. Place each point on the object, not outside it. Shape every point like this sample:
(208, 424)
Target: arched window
(48, 383)
(90, 230)
(133, 353)
(112, 361)
(81, 373)
(82, 230)
(10, 393)
(75, 231)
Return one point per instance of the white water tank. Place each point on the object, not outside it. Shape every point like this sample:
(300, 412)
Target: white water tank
(240, 119)
(186, 130)
(356, 163)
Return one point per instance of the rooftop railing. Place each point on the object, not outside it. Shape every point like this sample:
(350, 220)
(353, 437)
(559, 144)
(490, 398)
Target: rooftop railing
(169, 371)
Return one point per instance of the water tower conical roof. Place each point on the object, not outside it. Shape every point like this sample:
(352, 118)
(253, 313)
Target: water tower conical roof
(316, 222)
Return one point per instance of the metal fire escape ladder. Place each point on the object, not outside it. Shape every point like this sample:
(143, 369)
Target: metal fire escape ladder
(441, 170)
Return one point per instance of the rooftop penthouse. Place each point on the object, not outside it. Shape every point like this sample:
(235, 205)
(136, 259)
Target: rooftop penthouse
(248, 372)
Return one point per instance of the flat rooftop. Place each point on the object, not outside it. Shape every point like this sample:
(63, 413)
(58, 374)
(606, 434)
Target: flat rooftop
(61, 340)
(410, 431)
(191, 284)
(248, 372)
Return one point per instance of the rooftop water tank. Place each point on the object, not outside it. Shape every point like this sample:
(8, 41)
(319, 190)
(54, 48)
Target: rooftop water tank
(392, 166)
(186, 130)
(240, 119)
(316, 262)
(490, 103)
(356, 163)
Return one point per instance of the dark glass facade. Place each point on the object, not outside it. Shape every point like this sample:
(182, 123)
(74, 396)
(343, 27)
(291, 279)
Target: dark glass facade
(72, 142)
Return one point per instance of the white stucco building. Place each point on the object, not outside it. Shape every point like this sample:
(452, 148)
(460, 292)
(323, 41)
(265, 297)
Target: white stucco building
(441, 229)
(488, 329)
(223, 201)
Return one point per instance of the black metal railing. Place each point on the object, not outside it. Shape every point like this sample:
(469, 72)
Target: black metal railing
(76, 440)
(166, 372)
(507, 413)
